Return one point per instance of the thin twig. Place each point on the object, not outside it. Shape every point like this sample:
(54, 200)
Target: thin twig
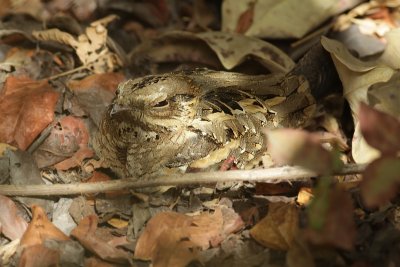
(272, 175)
(67, 72)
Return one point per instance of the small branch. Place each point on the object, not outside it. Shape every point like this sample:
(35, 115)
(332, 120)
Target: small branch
(272, 175)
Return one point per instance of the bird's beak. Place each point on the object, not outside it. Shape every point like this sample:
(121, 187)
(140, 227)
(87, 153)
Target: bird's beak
(117, 108)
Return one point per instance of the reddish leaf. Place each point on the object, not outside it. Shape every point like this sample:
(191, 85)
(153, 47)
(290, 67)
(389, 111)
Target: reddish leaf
(13, 225)
(86, 234)
(76, 159)
(379, 129)
(26, 108)
(40, 229)
(338, 228)
(67, 141)
(298, 147)
(381, 181)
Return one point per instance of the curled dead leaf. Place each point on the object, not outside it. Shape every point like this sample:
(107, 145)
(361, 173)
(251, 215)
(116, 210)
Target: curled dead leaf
(91, 47)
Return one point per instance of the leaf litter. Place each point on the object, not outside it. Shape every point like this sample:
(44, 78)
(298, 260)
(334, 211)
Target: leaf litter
(60, 71)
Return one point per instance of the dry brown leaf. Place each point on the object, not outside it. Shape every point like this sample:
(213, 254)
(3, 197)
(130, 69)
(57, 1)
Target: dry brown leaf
(278, 229)
(177, 235)
(339, 228)
(67, 145)
(86, 234)
(41, 229)
(281, 19)
(26, 107)
(91, 47)
(39, 256)
(230, 49)
(13, 226)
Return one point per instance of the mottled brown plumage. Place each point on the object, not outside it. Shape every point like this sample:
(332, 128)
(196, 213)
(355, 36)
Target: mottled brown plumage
(199, 118)
(196, 119)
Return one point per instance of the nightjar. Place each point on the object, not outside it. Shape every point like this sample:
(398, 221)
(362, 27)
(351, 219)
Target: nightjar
(199, 118)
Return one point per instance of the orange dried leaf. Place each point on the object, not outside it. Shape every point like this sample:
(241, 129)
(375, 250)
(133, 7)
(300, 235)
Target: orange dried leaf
(106, 81)
(184, 233)
(278, 229)
(26, 108)
(76, 159)
(39, 256)
(40, 229)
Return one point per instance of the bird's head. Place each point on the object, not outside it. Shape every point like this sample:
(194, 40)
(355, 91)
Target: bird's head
(166, 101)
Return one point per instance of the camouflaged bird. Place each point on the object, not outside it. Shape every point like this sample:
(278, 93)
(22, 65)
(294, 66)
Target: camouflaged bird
(199, 118)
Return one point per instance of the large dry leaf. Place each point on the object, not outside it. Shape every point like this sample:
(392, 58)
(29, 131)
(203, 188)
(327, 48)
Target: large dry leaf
(26, 108)
(177, 236)
(357, 78)
(298, 147)
(13, 226)
(91, 47)
(86, 234)
(233, 49)
(279, 228)
(381, 180)
(211, 49)
(279, 19)
(380, 130)
(391, 55)
(41, 229)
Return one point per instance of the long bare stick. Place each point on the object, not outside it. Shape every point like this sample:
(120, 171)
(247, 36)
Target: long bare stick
(272, 175)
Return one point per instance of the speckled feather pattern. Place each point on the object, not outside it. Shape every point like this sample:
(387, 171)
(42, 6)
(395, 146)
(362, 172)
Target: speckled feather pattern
(196, 118)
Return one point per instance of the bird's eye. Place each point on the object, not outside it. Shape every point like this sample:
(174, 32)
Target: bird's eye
(160, 104)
